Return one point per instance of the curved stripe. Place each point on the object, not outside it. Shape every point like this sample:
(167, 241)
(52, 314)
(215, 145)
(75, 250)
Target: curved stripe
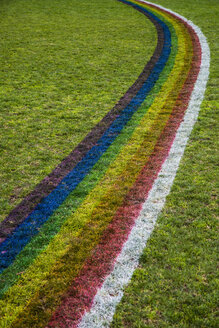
(111, 291)
(172, 123)
(30, 227)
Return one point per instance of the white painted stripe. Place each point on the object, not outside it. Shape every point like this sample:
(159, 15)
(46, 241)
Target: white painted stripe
(111, 292)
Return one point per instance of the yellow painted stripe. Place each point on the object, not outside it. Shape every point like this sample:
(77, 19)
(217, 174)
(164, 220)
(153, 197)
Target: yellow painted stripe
(36, 275)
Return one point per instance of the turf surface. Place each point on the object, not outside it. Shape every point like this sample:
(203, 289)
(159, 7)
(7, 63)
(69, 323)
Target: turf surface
(176, 283)
(64, 65)
(56, 266)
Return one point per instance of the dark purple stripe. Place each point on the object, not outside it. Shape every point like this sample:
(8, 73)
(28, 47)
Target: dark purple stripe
(49, 183)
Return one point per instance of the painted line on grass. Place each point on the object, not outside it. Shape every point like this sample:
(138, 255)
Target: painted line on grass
(100, 269)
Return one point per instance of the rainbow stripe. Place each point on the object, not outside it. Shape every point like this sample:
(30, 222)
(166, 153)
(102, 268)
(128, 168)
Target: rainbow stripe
(61, 242)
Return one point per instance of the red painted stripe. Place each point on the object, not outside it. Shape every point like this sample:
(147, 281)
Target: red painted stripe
(80, 295)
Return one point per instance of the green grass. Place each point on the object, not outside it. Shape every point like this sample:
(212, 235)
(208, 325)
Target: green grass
(176, 284)
(63, 66)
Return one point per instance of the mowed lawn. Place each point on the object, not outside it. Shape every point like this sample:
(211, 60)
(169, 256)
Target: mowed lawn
(176, 284)
(63, 66)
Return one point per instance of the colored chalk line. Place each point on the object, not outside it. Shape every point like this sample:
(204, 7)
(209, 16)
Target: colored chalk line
(88, 295)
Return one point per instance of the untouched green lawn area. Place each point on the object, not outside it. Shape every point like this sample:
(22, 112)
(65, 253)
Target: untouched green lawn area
(63, 65)
(176, 284)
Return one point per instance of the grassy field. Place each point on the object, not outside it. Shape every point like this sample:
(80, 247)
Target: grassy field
(176, 284)
(63, 66)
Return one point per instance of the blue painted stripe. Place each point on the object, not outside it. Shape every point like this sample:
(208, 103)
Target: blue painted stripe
(30, 226)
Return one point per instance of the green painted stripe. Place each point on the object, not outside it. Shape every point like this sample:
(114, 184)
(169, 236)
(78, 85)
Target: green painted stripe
(55, 279)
